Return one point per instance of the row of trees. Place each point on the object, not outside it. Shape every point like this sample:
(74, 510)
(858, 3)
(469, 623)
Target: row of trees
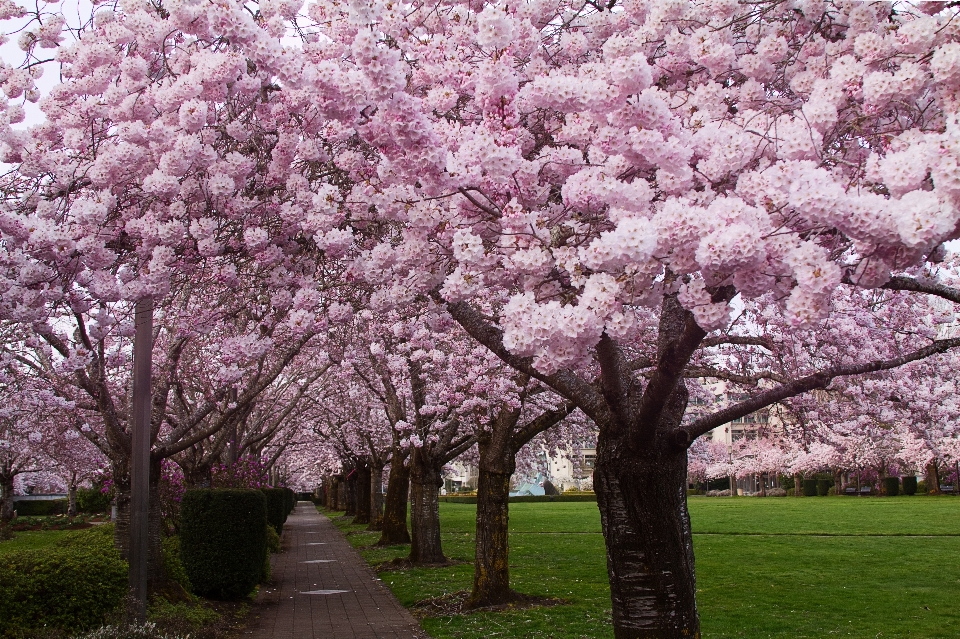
(414, 228)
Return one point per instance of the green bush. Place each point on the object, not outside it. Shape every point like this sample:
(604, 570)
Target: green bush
(96, 538)
(809, 487)
(40, 507)
(223, 542)
(823, 487)
(172, 565)
(892, 486)
(273, 540)
(71, 586)
(91, 500)
(193, 615)
(791, 492)
(276, 507)
(290, 500)
(910, 485)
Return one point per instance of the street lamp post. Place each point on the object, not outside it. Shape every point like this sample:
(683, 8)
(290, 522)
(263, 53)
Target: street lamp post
(140, 461)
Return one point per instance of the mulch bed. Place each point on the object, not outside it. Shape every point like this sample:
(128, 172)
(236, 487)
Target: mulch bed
(452, 604)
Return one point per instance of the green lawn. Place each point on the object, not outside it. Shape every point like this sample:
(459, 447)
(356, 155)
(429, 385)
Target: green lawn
(32, 539)
(782, 568)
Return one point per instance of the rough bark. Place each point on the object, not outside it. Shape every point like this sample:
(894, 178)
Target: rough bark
(72, 497)
(6, 498)
(425, 481)
(350, 494)
(394, 529)
(362, 485)
(646, 528)
(933, 478)
(491, 577)
(376, 497)
(497, 462)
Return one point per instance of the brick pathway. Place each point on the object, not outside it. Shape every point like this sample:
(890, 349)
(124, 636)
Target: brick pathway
(322, 589)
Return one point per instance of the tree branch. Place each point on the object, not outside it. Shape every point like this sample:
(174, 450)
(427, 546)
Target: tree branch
(685, 435)
(565, 382)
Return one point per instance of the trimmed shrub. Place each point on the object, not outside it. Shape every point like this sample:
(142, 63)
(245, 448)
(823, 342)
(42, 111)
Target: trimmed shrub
(290, 501)
(223, 542)
(910, 485)
(273, 539)
(40, 507)
(809, 487)
(892, 486)
(823, 487)
(791, 492)
(276, 507)
(92, 501)
(71, 586)
(172, 566)
(922, 487)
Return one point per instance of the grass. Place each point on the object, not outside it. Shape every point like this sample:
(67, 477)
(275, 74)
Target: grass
(766, 568)
(32, 540)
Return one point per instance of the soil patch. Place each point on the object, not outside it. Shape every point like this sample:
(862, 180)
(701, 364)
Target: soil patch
(452, 604)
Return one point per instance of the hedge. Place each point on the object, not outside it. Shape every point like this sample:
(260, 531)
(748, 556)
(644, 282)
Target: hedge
(223, 542)
(910, 485)
(92, 501)
(824, 486)
(809, 487)
(40, 507)
(276, 507)
(892, 486)
(290, 501)
(524, 498)
(71, 586)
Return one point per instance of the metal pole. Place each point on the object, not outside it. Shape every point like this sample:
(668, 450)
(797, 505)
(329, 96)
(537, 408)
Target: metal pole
(140, 460)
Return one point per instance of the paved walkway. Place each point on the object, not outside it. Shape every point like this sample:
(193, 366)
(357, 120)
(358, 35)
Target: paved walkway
(322, 589)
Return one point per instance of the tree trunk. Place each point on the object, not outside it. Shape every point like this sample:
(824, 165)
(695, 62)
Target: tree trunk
(334, 495)
(6, 498)
(763, 484)
(362, 483)
(72, 496)
(491, 575)
(425, 480)
(933, 478)
(376, 498)
(394, 530)
(350, 493)
(646, 527)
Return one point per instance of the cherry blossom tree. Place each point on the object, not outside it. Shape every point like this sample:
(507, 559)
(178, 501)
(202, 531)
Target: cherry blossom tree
(585, 188)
